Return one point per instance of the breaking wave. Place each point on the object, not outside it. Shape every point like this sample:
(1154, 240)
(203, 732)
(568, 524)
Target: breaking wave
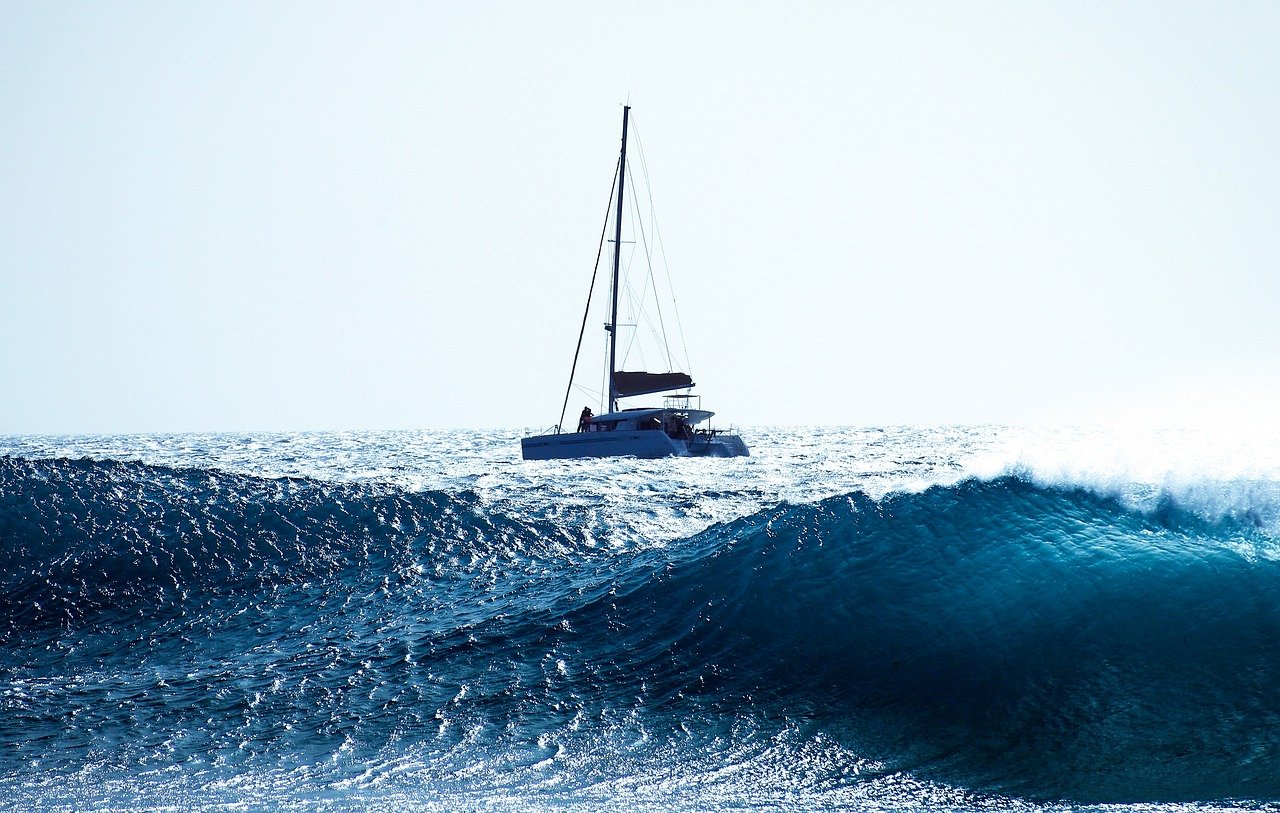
(1001, 636)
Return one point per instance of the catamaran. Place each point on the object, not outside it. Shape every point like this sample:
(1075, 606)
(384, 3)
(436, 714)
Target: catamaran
(679, 427)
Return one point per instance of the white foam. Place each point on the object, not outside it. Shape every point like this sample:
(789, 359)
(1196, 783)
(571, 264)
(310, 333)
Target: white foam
(1227, 468)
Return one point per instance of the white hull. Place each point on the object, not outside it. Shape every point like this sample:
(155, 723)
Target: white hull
(634, 443)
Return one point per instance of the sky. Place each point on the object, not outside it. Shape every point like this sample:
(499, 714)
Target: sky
(305, 216)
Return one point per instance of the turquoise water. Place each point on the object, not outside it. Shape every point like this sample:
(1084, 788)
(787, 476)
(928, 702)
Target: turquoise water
(962, 618)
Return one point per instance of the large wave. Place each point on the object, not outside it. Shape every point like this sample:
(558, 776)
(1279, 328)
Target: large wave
(1041, 641)
(81, 538)
(1048, 642)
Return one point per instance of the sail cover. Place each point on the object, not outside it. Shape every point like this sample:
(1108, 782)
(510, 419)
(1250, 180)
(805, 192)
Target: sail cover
(626, 384)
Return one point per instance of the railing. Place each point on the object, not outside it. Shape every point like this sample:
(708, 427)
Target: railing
(682, 402)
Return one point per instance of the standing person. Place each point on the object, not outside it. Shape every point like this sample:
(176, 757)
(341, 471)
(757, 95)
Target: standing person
(584, 420)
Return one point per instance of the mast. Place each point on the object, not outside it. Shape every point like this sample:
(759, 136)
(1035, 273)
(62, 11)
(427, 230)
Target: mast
(612, 327)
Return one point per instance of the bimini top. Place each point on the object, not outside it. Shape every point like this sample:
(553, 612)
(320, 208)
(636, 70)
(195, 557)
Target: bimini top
(628, 384)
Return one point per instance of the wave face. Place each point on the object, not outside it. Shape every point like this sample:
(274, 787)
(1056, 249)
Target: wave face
(193, 634)
(1045, 642)
(86, 539)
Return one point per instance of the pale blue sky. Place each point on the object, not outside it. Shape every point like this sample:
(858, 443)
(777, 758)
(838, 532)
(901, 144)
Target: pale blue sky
(302, 216)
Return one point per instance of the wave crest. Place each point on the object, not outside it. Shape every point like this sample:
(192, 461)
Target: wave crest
(1000, 635)
(83, 537)
(1011, 637)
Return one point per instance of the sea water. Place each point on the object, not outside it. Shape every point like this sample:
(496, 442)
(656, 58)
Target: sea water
(930, 619)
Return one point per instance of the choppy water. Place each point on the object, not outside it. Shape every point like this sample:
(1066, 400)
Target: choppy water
(901, 619)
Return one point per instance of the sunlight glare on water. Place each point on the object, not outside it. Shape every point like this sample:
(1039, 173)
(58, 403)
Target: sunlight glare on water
(949, 618)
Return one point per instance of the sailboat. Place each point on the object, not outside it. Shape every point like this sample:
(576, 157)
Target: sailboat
(679, 427)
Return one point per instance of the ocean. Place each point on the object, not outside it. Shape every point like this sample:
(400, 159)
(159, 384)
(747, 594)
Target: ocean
(906, 619)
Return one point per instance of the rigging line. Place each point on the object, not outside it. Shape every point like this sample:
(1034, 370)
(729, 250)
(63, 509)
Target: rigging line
(634, 303)
(604, 405)
(636, 306)
(648, 254)
(675, 306)
(648, 258)
(587, 310)
(653, 221)
(657, 237)
(588, 393)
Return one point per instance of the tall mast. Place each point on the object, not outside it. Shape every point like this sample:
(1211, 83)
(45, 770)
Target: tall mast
(612, 327)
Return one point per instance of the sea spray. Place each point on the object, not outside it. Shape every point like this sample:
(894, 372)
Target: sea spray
(573, 637)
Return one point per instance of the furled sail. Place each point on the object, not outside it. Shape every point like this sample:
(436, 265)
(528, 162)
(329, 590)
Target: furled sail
(626, 384)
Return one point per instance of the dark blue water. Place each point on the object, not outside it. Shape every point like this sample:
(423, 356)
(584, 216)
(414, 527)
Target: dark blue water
(197, 636)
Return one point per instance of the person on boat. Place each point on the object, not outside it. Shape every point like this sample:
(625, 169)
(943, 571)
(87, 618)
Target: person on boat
(584, 420)
(677, 429)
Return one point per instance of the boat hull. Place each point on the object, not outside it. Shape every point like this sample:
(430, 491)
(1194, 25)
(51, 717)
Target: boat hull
(633, 443)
